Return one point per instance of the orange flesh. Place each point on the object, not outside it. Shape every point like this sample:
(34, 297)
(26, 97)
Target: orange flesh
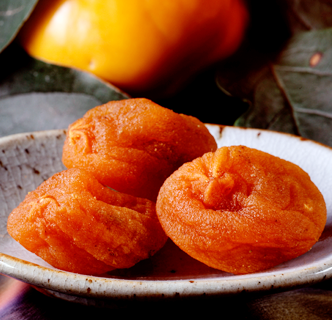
(133, 145)
(75, 224)
(241, 210)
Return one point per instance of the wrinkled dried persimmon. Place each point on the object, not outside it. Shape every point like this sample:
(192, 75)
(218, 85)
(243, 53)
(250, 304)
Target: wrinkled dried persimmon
(133, 145)
(76, 224)
(241, 210)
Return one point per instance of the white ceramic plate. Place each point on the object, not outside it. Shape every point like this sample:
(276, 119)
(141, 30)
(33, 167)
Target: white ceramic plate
(28, 159)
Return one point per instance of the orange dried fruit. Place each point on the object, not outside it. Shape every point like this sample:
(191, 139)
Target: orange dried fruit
(241, 210)
(133, 145)
(76, 224)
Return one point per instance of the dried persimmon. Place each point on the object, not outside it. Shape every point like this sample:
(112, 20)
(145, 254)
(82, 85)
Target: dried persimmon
(241, 210)
(133, 145)
(76, 224)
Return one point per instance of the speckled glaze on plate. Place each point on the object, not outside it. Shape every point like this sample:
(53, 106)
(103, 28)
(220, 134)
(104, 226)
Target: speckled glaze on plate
(28, 159)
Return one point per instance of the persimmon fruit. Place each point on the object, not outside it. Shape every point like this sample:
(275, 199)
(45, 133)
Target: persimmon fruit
(140, 46)
(133, 145)
(76, 224)
(241, 210)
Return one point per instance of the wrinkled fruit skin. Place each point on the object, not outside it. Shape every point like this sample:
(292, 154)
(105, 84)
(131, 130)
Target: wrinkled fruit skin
(241, 210)
(139, 46)
(75, 224)
(133, 145)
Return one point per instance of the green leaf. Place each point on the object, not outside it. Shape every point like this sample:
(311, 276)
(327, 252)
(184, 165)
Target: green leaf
(270, 19)
(291, 93)
(35, 95)
(309, 14)
(13, 13)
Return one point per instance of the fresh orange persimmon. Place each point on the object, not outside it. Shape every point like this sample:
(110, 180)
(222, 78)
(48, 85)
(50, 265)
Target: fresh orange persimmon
(241, 210)
(137, 45)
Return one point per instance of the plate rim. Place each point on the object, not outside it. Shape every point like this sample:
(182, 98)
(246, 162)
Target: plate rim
(142, 288)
